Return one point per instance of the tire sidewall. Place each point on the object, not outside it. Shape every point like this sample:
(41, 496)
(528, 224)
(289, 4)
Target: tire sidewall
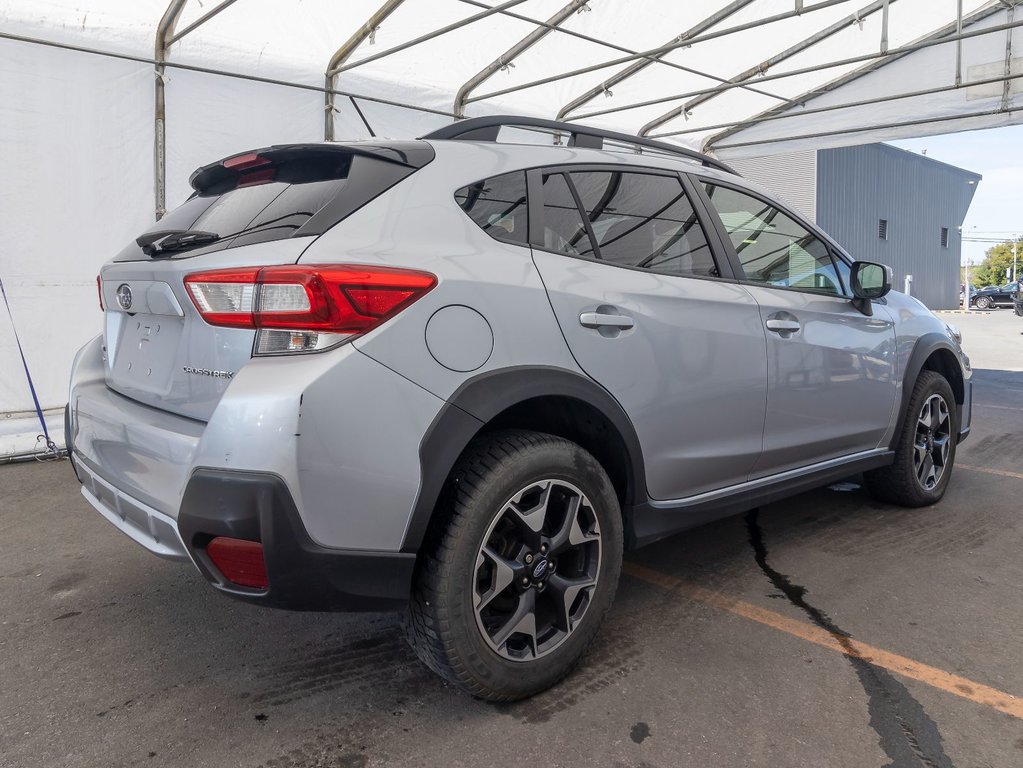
(560, 460)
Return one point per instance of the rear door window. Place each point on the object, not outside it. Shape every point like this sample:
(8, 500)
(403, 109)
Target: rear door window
(564, 230)
(644, 220)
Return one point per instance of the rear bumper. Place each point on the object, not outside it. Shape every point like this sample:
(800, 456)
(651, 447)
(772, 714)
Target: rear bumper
(138, 521)
(143, 453)
(302, 574)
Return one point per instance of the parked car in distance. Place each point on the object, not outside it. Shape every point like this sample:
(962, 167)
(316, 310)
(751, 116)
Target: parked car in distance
(995, 296)
(1017, 299)
(458, 378)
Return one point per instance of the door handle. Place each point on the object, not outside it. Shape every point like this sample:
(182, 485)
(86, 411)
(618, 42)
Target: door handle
(602, 320)
(783, 326)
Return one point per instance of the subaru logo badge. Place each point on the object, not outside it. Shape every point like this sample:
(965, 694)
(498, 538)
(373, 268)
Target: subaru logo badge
(540, 570)
(124, 296)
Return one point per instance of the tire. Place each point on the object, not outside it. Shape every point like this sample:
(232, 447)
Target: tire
(983, 302)
(926, 450)
(466, 602)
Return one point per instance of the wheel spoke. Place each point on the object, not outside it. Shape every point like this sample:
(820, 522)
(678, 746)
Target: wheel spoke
(504, 575)
(566, 590)
(571, 534)
(920, 449)
(941, 446)
(925, 416)
(521, 622)
(530, 521)
(925, 472)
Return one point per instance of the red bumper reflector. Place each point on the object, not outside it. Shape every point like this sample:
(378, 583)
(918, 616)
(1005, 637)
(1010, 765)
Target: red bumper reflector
(241, 562)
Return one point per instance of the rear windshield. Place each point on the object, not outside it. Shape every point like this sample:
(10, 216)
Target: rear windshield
(303, 194)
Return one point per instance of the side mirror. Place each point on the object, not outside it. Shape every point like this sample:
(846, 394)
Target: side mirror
(869, 281)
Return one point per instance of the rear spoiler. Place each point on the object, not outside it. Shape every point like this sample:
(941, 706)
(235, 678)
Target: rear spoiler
(296, 162)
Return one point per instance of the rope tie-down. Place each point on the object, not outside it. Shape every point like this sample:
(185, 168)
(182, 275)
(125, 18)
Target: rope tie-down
(50, 446)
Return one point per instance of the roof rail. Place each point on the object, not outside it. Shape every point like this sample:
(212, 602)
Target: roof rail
(487, 129)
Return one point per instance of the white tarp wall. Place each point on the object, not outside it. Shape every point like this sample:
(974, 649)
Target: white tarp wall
(77, 129)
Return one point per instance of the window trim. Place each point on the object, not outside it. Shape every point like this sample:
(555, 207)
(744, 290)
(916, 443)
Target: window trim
(835, 251)
(534, 185)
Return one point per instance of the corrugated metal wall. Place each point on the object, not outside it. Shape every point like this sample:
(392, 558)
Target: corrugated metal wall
(791, 176)
(859, 186)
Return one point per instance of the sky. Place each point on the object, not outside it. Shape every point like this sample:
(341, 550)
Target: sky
(997, 154)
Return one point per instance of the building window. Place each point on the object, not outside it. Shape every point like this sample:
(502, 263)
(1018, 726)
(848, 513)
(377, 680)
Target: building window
(882, 228)
(944, 237)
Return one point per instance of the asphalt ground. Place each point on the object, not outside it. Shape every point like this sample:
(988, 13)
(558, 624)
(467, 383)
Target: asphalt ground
(827, 630)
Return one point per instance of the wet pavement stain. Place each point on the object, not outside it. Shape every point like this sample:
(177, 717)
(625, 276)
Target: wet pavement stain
(640, 732)
(905, 732)
(614, 655)
(377, 660)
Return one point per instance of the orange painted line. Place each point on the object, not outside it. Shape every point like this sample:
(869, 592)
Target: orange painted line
(989, 471)
(932, 676)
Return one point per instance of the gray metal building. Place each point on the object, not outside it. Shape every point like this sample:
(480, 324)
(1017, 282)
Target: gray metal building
(883, 204)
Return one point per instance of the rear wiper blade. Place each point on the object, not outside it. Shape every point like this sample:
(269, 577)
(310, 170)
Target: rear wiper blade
(171, 240)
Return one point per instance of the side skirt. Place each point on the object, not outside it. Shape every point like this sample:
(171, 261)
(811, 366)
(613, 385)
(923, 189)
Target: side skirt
(654, 520)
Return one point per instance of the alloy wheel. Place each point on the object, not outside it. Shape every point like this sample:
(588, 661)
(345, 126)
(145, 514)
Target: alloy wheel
(933, 441)
(536, 570)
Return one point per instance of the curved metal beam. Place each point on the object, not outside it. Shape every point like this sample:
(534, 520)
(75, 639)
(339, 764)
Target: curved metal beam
(954, 28)
(636, 67)
(164, 35)
(200, 21)
(633, 56)
(763, 66)
(342, 54)
(513, 53)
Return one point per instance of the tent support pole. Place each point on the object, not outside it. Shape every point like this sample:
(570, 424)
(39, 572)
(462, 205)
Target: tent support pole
(868, 57)
(507, 59)
(342, 54)
(770, 117)
(884, 26)
(1008, 63)
(200, 21)
(876, 127)
(937, 36)
(431, 35)
(164, 33)
(819, 6)
(765, 65)
(959, 43)
(699, 28)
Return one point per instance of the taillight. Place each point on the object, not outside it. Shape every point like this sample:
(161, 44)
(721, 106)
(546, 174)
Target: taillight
(305, 308)
(241, 562)
(99, 290)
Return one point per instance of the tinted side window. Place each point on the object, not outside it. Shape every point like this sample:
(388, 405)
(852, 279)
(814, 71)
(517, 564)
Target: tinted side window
(498, 206)
(563, 227)
(644, 220)
(773, 248)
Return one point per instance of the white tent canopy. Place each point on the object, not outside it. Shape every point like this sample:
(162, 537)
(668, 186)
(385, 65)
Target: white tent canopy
(90, 153)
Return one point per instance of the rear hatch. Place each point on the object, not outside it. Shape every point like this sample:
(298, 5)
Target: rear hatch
(255, 209)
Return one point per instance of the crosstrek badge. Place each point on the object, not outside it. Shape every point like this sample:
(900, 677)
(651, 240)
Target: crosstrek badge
(208, 372)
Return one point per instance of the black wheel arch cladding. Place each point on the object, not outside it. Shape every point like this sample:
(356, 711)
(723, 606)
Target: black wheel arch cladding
(481, 400)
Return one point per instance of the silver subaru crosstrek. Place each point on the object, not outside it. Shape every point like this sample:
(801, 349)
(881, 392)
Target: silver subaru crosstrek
(460, 376)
